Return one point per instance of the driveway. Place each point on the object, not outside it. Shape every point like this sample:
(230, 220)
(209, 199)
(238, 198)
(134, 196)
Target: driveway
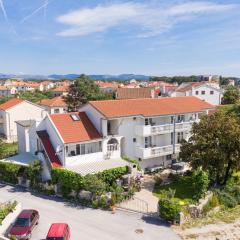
(86, 223)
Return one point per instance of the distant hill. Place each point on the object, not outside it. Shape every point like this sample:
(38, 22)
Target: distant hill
(74, 76)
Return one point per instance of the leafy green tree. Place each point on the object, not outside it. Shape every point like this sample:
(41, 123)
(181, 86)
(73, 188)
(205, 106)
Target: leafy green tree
(231, 95)
(2, 148)
(200, 182)
(214, 146)
(83, 90)
(35, 96)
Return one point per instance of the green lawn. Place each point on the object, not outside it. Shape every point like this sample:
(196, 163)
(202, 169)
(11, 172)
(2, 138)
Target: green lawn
(183, 187)
(9, 149)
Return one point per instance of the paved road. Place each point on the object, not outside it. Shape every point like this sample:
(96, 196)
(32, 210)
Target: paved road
(86, 223)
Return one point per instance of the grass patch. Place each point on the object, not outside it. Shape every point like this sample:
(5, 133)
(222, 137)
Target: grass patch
(184, 190)
(228, 215)
(9, 149)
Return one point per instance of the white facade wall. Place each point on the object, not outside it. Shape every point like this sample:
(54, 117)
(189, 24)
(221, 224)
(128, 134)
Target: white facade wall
(214, 99)
(54, 110)
(22, 111)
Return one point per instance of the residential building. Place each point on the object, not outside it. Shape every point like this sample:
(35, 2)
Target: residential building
(14, 110)
(7, 91)
(207, 91)
(97, 137)
(147, 129)
(107, 87)
(133, 93)
(60, 91)
(54, 105)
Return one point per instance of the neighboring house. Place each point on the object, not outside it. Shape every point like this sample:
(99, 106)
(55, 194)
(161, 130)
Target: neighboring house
(14, 110)
(133, 93)
(60, 91)
(7, 91)
(107, 87)
(47, 85)
(149, 130)
(207, 91)
(54, 105)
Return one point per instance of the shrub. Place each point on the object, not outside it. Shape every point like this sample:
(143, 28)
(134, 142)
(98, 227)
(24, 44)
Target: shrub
(226, 199)
(201, 182)
(33, 171)
(6, 209)
(9, 172)
(212, 203)
(111, 175)
(169, 209)
(67, 181)
(94, 184)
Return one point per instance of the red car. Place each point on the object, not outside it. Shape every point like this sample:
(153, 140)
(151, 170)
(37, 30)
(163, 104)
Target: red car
(24, 224)
(59, 231)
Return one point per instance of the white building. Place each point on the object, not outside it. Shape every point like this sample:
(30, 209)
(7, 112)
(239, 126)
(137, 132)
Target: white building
(14, 110)
(149, 130)
(207, 91)
(54, 105)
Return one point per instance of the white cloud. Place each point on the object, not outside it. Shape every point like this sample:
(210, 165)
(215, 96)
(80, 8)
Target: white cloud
(150, 19)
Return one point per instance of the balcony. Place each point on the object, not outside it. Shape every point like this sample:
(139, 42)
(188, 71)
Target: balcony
(151, 152)
(162, 129)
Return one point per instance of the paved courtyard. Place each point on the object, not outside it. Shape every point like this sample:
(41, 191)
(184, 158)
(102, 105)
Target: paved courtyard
(86, 223)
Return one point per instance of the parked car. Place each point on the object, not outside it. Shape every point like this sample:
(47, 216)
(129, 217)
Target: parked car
(23, 226)
(58, 231)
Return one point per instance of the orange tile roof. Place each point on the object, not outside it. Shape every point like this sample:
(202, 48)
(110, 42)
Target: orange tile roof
(75, 131)
(133, 93)
(61, 89)
(10, 103)
(54, 102)
(150, 107)
(189, 86)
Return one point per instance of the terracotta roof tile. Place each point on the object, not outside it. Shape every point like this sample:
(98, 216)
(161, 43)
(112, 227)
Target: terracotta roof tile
(150, 107)
(61, 89)
(54, 102)
(10, 103)
(75, 131)
(133, 93)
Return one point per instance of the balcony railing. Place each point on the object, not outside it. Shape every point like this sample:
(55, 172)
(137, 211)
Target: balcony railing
(157, 151)
(162, 129)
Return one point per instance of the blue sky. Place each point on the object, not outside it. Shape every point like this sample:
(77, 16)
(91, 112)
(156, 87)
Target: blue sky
(155, 37)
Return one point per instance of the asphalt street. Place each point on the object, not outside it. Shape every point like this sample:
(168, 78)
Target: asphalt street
(87, 223)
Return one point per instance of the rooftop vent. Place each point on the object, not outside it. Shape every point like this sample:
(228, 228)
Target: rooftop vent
(75, 117)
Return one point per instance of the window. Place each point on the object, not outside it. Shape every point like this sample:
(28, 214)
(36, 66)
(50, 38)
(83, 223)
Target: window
(196, 92)
(134, 140)
(146, 121)
(211, 92)
(148, 142)
(78, 149)
(56, 110)
(179, 137)
(180, 118)
(169, 157)
(203, 92)
(172, 138)
(75, 117)
(134, 119)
